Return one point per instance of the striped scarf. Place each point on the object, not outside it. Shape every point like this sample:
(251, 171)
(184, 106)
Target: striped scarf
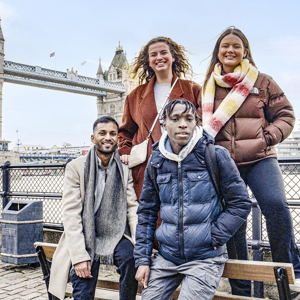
(241, 81)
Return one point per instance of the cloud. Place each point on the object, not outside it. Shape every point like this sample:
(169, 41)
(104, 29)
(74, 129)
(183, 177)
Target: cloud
(7, 12)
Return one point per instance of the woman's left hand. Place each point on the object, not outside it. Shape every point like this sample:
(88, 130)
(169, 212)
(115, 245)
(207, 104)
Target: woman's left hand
(125, 159)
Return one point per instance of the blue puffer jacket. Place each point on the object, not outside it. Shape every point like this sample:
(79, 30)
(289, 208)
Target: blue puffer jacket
(194, 226)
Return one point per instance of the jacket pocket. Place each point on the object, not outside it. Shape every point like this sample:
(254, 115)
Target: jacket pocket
(199, 186)
(164, 182)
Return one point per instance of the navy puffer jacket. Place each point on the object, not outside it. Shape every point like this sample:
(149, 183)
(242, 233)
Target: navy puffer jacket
(194, 226)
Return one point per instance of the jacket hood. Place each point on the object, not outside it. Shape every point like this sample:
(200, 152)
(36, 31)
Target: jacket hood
(159, 151)
(166, 151)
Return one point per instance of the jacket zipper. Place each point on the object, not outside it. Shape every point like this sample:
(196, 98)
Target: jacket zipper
(181, 239)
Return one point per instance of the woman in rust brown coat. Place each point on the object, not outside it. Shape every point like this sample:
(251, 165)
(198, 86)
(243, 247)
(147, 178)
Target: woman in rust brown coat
(158, 64)
(247, 113)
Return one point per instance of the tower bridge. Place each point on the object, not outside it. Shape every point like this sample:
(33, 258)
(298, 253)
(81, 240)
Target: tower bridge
(110, 87)
(68, 81)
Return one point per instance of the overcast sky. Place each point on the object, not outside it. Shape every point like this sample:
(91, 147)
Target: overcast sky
(79, 31)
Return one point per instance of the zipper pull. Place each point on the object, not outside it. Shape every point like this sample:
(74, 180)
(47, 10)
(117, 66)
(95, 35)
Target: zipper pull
(179, 164)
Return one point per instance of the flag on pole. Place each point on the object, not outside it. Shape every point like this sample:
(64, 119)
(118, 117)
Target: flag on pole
(52, 54)
(83, 63)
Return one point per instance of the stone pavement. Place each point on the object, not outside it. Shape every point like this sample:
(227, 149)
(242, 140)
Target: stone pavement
(25, 282)
(21, 282)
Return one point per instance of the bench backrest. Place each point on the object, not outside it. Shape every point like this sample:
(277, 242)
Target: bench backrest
(235, 269)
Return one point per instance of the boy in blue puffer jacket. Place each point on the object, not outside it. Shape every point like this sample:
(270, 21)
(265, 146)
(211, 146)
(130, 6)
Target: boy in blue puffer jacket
(195, 227)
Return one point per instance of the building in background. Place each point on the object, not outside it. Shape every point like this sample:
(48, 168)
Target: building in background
(290, 147)
(117, 72)
(26, 148)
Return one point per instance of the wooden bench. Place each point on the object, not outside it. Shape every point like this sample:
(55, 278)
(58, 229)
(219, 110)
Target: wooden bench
(280, 273)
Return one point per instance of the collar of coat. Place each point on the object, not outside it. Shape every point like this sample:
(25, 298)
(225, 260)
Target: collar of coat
(187, 149)
(157, 158)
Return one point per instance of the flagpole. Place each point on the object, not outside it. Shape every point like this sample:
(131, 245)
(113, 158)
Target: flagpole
(84, 63)
(51, 55)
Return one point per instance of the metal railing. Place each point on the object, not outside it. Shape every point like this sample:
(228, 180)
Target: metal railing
(45, 182)
(290, 169)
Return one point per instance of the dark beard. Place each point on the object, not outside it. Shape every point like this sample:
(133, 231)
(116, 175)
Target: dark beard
(108, 151)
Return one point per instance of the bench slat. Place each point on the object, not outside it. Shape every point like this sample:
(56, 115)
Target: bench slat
(111, 285)
(48, 248)
(255, 270)
(225, 296)
(235, 269)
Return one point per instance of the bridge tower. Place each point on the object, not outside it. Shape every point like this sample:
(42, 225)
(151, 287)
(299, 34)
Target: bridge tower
(117, 72)
(1, 76)
(3, 142)
(100, 99)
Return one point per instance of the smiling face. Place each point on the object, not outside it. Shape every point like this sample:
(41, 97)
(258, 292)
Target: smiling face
(105, 138)
(160, 58)
(180, 126)
(231, 52)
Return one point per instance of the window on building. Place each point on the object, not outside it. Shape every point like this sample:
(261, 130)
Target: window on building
(112, 108)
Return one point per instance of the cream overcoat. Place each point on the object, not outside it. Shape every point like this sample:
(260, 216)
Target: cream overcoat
(71, 248)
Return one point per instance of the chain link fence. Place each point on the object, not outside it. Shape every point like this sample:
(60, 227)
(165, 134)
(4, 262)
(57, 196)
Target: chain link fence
(290, 169)
(44, 182)
(35, 182)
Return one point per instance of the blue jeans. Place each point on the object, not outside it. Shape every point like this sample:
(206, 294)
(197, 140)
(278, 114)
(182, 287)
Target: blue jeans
(266, 183)
(84, 288)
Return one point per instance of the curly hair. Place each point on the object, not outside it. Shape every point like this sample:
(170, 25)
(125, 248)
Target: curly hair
(215, 58)
(180, 66)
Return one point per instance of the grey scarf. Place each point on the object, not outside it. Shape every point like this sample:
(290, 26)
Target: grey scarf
(104, 230)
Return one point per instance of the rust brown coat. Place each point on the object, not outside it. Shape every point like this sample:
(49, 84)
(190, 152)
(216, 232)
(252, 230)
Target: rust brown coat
(138, 117)
(265, 119)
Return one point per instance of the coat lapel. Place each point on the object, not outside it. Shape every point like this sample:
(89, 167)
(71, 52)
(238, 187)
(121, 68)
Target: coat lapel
(177, 91)
(148, 110)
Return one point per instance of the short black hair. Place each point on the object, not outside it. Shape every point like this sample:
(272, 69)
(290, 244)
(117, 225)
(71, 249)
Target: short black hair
(105, 119)
(188, 106)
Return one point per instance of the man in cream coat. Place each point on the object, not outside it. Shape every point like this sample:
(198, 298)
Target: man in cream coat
(99, 212)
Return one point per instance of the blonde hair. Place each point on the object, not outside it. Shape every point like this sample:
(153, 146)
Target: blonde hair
(215, 58)
(180, 66)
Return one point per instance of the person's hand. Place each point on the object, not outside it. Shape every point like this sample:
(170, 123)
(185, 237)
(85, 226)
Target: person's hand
(142, 275)
(124, 159)
(83, 269)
